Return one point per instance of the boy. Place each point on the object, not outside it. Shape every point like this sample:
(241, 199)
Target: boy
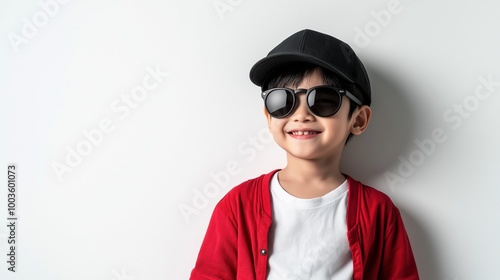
(308, 220)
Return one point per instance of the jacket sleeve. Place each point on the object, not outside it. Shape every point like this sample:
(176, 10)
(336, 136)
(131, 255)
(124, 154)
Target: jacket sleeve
(217, 258)
(397, 260)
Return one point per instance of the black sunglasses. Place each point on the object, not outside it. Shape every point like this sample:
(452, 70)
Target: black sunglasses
(323, 101)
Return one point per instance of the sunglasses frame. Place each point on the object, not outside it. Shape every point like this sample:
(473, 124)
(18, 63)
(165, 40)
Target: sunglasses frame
(341, 92)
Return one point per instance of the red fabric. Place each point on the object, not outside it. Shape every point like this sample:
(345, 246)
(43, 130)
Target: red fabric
(236, 241)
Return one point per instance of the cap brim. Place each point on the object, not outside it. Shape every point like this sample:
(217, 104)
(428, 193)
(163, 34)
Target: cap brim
(260, 71)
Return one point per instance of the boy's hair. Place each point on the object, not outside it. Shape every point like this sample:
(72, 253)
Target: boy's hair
(292, 75)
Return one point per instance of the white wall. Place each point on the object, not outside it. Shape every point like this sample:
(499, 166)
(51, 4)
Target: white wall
(67, 70)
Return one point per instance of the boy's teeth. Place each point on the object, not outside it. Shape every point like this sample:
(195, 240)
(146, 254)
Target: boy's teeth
(302, 132)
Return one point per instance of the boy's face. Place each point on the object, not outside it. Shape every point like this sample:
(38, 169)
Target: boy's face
(306, 136)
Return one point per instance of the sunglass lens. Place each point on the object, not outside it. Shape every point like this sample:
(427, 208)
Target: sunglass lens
(324, 102)
(279, 103)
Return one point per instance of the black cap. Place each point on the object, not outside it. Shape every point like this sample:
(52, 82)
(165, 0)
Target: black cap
(319, 49)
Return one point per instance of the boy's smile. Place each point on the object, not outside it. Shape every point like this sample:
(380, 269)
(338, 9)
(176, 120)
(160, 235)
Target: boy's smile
(303, 133)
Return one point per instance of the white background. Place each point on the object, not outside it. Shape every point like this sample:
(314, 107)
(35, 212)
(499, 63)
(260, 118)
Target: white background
(116, 213)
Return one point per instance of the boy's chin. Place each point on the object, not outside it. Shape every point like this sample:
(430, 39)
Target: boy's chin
(308, 155)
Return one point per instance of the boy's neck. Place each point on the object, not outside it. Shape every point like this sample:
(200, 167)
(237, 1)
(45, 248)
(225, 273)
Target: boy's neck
(309, 179)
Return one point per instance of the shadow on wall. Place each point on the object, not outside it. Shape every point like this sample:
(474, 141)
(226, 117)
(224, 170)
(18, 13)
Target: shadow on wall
(424, 249)
(390, 134)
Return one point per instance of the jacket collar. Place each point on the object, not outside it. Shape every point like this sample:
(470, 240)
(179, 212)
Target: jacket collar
(352, 199)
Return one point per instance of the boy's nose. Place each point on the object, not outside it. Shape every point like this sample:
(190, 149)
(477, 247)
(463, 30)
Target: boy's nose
(302, 112)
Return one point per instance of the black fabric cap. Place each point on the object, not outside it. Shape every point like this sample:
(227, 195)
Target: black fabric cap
(319, 49)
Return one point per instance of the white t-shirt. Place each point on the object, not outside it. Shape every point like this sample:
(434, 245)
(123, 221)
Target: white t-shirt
(308, 237)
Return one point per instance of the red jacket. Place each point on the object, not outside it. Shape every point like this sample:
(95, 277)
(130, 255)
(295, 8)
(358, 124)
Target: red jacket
(236, 241)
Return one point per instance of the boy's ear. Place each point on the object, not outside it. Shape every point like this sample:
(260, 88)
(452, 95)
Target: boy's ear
(268, 117)
(361, 119)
